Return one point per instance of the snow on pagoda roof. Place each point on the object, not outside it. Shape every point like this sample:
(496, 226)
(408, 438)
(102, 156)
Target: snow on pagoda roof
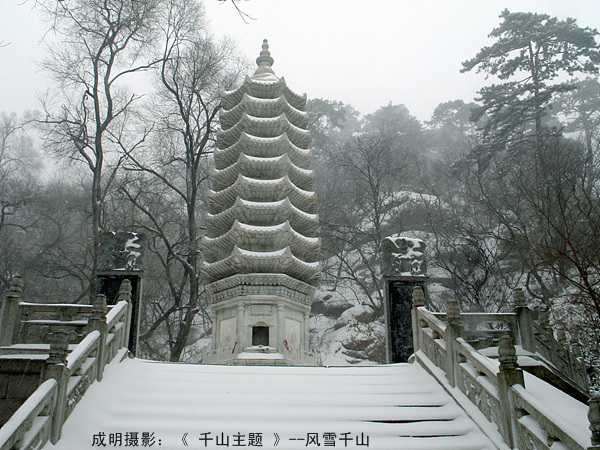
(261, 190)
(262, 213)
(263, 88)
(278, 261)
(263, 147)
(265, 127)
(263, 156)
(266, 168)
(251, 237)
(262, 107)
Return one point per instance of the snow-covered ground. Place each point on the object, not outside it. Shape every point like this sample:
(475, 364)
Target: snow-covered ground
(384, 408)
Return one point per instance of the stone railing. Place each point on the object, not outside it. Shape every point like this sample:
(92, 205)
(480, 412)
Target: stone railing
(32, 323)
(31, 426)
(68, 375)
(562, 356)
(485, 330)
(497, 389)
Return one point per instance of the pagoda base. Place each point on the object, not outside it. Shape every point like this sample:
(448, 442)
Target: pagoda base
(246, 358)
(260, 319)
(253, 284)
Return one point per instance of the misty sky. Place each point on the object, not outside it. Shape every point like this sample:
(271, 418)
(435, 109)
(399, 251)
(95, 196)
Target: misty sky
(367, 53)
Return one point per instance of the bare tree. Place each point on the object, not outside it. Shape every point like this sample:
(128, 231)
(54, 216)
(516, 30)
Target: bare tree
(561, 192)
(373, 169)
(193, 71)
(465, 243)
(18, 167)
(95, 46)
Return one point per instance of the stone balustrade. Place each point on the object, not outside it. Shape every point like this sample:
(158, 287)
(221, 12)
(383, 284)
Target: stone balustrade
(68, 369)
(442, 344)
(31, 427)
(497, 389)
(483, 330)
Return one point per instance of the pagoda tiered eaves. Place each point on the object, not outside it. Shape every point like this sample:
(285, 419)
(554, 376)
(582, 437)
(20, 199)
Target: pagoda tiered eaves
(262, 191)
(263, 89)
(265, 128)
(267, 168)
(262, 206)
(252, 238)
(262, 108)
(283, 261)
(262, 214)
(262, 147)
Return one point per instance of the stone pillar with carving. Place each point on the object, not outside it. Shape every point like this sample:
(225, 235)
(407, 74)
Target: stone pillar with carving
(239, 325)
(524, 322)
(453, 332)
(418, 301)
(509, 375)
(55, 368)
(97, 322)
(403, 267)
(125, 296)
(9, 312)
(280, 328)
(122, 258)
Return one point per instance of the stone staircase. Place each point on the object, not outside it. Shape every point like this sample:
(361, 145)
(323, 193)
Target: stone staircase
(452, 396)
(397, 406)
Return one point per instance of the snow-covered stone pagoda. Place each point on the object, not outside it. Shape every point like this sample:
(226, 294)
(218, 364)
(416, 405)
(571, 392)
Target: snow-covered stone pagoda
(261, 247)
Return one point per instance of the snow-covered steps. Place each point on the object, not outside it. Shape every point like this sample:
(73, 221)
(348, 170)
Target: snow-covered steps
(199, 406)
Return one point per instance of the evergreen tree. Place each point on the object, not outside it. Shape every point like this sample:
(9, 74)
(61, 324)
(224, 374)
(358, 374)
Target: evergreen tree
(530, 54)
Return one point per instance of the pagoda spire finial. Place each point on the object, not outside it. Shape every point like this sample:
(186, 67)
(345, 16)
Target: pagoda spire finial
(264, 61)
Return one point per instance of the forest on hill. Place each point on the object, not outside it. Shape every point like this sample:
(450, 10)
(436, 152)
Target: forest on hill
(504, 190)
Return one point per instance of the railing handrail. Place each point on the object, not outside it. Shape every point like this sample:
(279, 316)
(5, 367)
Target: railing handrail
(116, 313)
(72, 308)
(487, 314)
(13, 431)
(64, 390)
(565, 433)
(78, 356)
(552, 352)
(440, 325)
(480, 362)
(523, 399)
(55, 305)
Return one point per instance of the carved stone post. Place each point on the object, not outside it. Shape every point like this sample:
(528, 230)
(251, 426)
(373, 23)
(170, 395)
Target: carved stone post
(507, 356)
(524, 322)
(307, 342)
(594, 418)
(576, 349)
(544, 319)
(125, 295)
(98, 322)
(453, 331)
(509, 375)
(9, 314)
(403, 266)
(56, 365)
(561, 335)
(57, 356)
(418, 300)
(120, 259)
